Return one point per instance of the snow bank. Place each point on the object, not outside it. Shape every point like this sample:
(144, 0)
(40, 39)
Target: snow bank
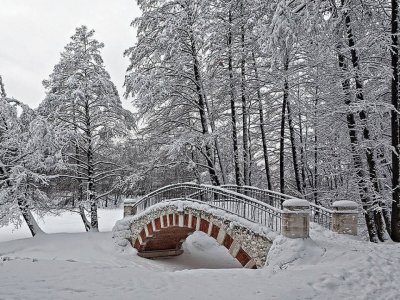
(86, 266)
(286, 251)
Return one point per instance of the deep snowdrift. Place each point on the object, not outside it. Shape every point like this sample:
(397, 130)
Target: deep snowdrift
(87, 265)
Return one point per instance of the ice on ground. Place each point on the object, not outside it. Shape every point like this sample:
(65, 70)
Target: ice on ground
(87, 265)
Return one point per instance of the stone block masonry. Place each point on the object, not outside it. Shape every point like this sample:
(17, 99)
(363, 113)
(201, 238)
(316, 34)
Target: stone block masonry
(296, 218)
(344, 217)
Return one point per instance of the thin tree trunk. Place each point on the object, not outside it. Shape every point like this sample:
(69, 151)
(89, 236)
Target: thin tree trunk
(94, 223)
(23, 205)
(315, 148)
(203, 115)
(218, 154)
(220, 161)
(82, 214)
(246, 156)
(250, 156)
(262, 129)
(2, 89)
(294, 148)
(394, 54)
(282, 135)
(238, 176)
(85, 221)
(28, 217)
(302, 157)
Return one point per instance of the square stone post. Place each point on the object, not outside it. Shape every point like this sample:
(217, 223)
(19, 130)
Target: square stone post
(296, 218)
(129, 208)
(345, 217)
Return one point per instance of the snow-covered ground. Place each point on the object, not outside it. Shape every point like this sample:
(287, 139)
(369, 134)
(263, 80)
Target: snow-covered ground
(88, 265)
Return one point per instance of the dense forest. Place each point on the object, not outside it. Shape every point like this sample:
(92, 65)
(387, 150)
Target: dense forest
(294, 96)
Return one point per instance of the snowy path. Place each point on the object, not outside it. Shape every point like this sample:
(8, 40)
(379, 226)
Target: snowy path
(82, 266)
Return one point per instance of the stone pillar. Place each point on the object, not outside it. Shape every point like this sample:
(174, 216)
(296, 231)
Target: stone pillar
(345, 217)
(129, 208)
(296, 218)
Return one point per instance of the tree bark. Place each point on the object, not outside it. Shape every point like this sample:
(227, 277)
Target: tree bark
(366, 134)
(246, 155)
(394, 55)
(316, 148)
(302, 157)
(28, 217)
(357, 160)
(262, 128)
(94, 223)
(82, 214)
(282, 135)
(33, 226)
(2, 89)
(203, 115)
(294, 148)
(238, 176)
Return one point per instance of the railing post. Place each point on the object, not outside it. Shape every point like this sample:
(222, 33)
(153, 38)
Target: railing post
(345, 217)
(296, 218)
(129, 208)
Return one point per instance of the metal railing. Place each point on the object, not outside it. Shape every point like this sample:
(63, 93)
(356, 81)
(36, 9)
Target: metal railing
(272, 198)
(239, 204)
(252, 203)
(321, 215)
(318, 214)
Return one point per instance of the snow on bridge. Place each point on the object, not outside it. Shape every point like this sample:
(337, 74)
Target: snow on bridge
(245, 220)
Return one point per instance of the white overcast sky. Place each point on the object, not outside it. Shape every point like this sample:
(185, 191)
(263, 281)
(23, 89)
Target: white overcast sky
(34, 32)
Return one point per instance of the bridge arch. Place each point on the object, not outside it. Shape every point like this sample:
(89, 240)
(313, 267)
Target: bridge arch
(161, 230)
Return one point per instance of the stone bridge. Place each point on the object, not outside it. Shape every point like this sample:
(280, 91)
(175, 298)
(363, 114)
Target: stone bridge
(245, 220)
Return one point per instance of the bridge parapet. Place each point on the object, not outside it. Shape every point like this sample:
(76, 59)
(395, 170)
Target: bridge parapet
(318, 214)
(235, 203)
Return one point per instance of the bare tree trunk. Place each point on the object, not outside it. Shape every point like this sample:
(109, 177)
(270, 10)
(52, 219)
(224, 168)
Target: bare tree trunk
(302, 157)
(316, 148)
(28, 217)
(294, 148)
(366, 135)
(23, 206)
(203, 114)
(220, 161)
(357, 160)
(238, 176)
(85, 221)
(82, 214)
(262, 129)
(2, 89)
(394, 54)
(94, 223)
(282, 135)
(250, 156)
(196, 170)
(246, 156)
(217, 148)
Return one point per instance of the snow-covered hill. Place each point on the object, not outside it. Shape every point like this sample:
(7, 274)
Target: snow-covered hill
(88, 265)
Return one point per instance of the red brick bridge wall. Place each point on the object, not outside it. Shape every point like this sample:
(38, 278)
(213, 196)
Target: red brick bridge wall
(162, 231)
